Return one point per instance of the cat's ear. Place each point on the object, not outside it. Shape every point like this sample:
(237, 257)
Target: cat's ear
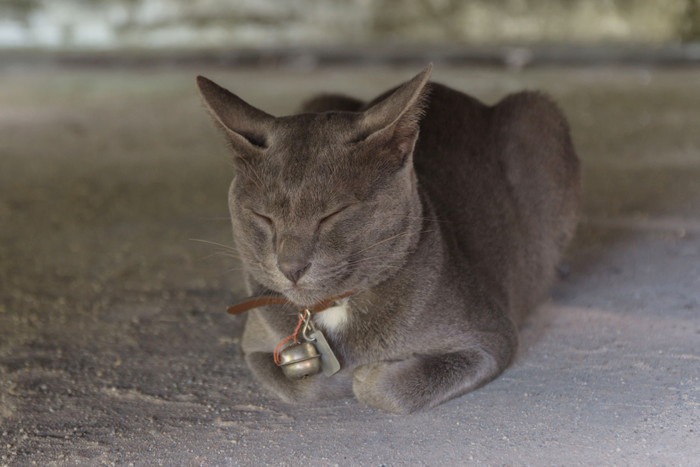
(248, 127)
(393, 122)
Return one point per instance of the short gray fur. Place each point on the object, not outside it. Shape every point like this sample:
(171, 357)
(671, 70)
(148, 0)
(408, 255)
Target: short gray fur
(447, 217)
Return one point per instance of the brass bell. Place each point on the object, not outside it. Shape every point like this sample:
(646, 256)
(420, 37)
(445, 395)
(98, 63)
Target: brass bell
(300, 360)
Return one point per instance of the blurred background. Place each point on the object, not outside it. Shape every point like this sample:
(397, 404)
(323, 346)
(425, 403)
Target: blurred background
(228, 25)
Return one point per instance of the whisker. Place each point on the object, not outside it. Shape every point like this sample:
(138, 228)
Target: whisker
(374, 245)
(238, 269)
(229, 271)
(226, 254)
(387, 260)
(381, 257)
(375, 258)
(434, 219)
(209, 242)
(213, 219)
(383, 261)
(401, 234)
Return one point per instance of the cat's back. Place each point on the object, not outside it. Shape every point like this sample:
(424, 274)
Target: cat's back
(452, 142)
(504, 181)
(504, 146)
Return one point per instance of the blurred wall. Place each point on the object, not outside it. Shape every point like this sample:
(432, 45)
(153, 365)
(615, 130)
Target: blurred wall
(113, 24)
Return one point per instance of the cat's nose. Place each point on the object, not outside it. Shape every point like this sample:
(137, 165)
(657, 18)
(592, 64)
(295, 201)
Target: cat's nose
(293, 268)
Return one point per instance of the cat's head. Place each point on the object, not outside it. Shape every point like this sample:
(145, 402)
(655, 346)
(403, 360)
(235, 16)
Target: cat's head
(323, 203)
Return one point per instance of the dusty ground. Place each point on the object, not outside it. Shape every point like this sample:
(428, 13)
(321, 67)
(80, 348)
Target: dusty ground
(114, 347)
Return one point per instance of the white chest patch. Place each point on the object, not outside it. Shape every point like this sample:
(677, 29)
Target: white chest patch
(334, 318)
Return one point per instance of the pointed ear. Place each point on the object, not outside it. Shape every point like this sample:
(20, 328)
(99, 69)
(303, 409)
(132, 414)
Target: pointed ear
(394, 120)
(247, 126)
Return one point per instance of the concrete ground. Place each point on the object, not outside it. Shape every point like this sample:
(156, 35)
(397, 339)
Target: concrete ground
(114, 344)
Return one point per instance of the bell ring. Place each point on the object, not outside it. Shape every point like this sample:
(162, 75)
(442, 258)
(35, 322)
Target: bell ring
(300, 360)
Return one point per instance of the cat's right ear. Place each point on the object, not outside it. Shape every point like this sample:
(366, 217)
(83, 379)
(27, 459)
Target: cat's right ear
(393, 122)
(248, 128)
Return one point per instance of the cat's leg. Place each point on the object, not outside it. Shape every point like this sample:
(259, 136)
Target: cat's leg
(260, 337)
(311, 389)
(424, 381)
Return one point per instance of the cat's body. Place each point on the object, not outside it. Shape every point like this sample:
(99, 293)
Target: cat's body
(475, 218)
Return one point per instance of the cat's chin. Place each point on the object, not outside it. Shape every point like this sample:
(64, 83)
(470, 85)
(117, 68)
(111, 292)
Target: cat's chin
(308, 297)
(304, 298)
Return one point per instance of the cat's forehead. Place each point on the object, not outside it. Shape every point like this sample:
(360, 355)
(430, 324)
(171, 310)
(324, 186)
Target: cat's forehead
(305, 185)
(308, 165)
(311, 129)
(310, 148)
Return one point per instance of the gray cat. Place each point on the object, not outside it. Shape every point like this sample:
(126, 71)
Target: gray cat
(443, 216)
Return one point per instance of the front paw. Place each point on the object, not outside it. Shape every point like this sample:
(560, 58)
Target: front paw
(387, 386)
(270, 375)
(424, 381)
(301, 391)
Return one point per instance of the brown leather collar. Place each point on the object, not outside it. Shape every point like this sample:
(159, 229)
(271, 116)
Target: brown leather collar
(264, 300)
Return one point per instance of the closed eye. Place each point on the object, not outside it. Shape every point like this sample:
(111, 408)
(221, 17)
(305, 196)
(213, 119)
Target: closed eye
(262, 217)
(333, 214)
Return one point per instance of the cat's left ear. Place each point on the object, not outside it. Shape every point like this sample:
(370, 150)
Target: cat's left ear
(249, 128)
(393, 122)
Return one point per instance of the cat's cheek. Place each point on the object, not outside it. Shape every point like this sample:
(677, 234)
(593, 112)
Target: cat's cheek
(335, 240)
(258, 260)
(259, 240)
